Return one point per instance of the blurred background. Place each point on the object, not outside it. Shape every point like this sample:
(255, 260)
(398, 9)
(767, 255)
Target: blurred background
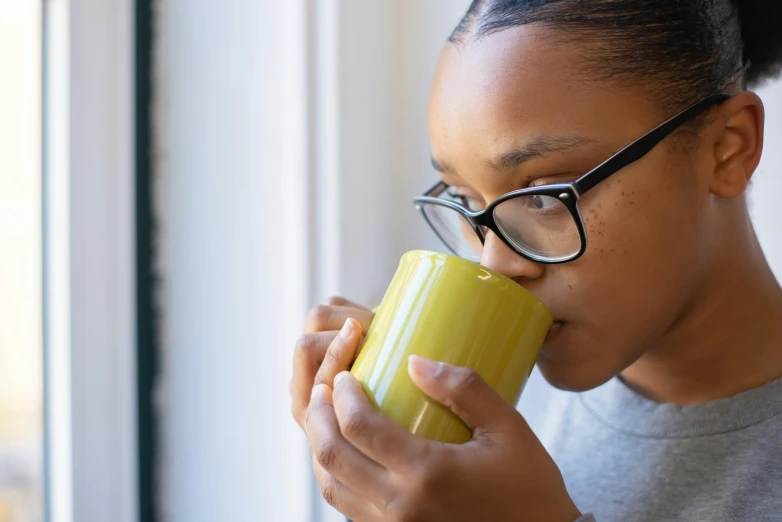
(180, 180)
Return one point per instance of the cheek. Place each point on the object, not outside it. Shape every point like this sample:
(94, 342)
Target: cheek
(649, 216)
(632, 283)
(642, 244)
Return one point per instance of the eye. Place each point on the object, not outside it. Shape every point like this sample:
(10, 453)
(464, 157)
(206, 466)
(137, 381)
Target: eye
(468, 202)
(542, 205)
(543, 202)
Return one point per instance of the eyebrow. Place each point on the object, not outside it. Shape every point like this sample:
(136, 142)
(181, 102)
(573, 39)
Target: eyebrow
(442, 167)
(539, 147)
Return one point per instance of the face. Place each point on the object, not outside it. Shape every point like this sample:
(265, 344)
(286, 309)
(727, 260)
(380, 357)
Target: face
(514, 90)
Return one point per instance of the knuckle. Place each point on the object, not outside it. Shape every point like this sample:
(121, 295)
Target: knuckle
(326, 454)
(305, 344)
(319, 316)
(335, 300)
(356, 426)
(332, 354)
(328, 369)
(320, 378)
(465, 379)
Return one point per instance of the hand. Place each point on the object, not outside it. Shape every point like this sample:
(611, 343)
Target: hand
(371, 469)
(310, 364)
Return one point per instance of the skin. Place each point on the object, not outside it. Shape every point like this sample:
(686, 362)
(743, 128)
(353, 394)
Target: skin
(673, 294)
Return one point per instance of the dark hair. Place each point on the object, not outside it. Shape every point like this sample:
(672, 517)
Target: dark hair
(691, 48)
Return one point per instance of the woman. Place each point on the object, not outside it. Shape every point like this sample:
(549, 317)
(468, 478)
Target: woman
(663, 398)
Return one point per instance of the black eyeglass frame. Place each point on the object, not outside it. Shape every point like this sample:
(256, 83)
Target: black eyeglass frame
(567, 193)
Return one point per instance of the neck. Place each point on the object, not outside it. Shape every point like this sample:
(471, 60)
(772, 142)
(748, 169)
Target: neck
(728, 341)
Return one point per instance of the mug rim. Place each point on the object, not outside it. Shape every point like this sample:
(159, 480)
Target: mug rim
(467, 263)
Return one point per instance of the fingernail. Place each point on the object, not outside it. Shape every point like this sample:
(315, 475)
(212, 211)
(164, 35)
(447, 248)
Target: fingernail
(338, 378)
(347, 329)
(423, 366)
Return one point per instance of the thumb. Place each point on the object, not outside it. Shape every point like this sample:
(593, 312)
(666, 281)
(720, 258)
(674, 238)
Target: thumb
(465, 393)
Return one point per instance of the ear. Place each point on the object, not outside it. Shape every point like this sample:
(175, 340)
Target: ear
(739, 144)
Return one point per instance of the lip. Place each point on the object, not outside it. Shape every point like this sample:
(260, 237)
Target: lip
(553, 332)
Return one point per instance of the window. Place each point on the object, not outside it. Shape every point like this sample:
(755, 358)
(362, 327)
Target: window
(21, 354)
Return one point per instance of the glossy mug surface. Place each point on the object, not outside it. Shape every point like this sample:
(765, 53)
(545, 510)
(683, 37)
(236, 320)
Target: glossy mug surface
(455, 311)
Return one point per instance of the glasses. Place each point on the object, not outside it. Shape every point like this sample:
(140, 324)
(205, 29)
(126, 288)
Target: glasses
(542, 224)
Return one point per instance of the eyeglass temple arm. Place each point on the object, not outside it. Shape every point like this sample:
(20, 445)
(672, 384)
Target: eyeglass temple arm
(643, 145)
(438, 187)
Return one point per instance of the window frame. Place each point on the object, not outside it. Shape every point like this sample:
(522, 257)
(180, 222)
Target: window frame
(89, 271)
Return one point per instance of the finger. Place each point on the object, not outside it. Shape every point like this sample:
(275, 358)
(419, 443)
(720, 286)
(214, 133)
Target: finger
(341, 498)
(371, 432)
(307, 358)
(466, 394)
(340, 354)
(336, 455)
(324, 317)
(341, 301)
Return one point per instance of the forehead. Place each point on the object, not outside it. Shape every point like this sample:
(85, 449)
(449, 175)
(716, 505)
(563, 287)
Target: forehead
(520, 83)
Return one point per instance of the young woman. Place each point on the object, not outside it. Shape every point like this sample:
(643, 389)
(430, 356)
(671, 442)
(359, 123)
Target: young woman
(629, 121)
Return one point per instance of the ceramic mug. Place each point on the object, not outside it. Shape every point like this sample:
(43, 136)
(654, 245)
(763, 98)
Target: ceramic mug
(455, 311)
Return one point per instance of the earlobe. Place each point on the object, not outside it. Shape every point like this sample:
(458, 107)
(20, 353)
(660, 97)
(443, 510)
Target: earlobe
(738, 148)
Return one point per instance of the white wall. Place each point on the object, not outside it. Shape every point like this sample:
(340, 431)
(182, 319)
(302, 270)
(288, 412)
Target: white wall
(767, 182)
(291, 139)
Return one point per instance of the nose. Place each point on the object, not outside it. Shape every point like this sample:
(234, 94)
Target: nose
(501, 258)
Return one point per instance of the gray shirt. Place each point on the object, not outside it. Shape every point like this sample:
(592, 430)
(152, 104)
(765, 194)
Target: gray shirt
(628, 459)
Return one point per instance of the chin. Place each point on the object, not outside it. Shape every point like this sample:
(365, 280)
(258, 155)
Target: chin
(573, 360)
(572, 374)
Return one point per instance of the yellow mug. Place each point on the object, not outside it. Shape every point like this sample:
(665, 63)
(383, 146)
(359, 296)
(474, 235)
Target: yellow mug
(455, 311)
